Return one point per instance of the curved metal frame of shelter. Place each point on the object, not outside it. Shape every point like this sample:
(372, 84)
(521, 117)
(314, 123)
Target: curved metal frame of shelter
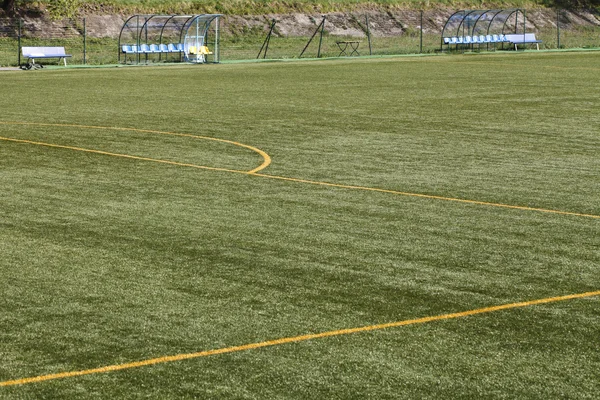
(482, 22)
(183, 35)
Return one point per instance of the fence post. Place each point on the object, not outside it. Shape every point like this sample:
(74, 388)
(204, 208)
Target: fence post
(265, 45)
(19, 42)
(524, 26)
(321, 27)
(369, 36)
(138, 33)
(321, 37)
(84, 42)
(558, 28)
(421, 29)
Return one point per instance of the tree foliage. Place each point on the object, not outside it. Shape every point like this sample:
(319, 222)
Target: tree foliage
(572, 4)
(56, 9)
(9, 6)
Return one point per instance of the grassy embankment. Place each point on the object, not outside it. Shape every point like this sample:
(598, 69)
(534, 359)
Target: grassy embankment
(259, 7)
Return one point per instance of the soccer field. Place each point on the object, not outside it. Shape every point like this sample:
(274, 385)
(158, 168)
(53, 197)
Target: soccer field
(387, 228)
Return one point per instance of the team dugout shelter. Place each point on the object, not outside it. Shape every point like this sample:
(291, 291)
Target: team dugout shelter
(487, 26)
(170, 38)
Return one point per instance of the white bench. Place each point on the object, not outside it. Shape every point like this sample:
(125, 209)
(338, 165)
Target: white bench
(45, 52)
(523, 38)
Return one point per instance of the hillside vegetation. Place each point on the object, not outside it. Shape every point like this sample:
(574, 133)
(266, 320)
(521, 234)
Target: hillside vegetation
(281, 6)
(66, 8)
(303, 5)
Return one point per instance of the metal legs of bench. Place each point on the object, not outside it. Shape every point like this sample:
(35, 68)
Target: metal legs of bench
(537, 45)
(32, 60)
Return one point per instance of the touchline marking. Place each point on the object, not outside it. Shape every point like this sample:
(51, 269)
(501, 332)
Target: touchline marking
(294, 339)
(427, 196)
(265, 164)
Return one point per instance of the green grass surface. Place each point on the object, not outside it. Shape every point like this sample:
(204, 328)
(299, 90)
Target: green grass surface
(108, 260)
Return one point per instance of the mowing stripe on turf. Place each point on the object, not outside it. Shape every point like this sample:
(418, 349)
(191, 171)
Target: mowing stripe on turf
(294, 339)
(265, 164)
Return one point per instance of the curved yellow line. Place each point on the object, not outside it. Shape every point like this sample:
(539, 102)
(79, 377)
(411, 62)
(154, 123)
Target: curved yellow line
(294, 339)
(266, 158)
(106, 153)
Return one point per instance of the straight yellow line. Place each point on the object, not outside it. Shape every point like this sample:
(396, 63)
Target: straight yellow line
(428, 196)
(294, 339)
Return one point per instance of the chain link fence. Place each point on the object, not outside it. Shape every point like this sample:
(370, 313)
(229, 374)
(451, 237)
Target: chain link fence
(294, 36)
(72, 34)
(333, 35)
(391, 32)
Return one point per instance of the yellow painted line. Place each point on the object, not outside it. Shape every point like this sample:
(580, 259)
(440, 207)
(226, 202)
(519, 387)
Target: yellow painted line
(428, 196)
(294, 339)
(266, 158)
(267, 162)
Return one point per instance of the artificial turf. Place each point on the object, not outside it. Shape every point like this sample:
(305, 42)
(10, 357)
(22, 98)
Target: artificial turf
(108, 260)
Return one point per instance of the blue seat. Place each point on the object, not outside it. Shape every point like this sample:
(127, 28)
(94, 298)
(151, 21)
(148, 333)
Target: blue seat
(454, 40)
(144, 49)
(180, 47)
(460, 40)
(488, 39)
(153, 48)
(127, 49)
(468, 40)
(163, 48)
(481, 39)
(446, 40)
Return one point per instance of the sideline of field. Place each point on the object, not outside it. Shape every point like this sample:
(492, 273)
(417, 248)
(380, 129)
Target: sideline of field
(295, 339)
(266, 162)
(308, 59)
